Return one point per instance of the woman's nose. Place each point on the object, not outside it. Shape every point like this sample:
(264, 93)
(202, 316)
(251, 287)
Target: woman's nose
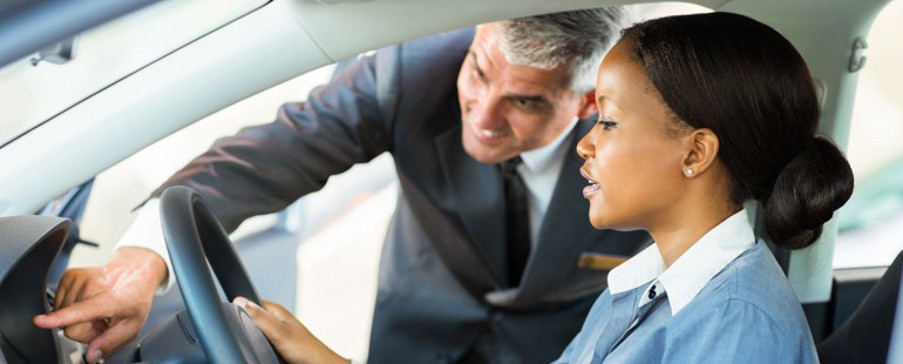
(585, 147)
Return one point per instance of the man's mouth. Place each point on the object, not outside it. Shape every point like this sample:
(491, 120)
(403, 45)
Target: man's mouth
(593, 187)
(489, 136)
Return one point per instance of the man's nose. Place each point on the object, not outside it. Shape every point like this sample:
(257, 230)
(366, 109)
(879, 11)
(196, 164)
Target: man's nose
(487, 114)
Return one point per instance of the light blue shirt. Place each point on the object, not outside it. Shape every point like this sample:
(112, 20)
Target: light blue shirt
(725, 300)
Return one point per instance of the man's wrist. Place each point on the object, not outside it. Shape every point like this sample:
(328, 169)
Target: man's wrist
(146, 232)
(141, 259)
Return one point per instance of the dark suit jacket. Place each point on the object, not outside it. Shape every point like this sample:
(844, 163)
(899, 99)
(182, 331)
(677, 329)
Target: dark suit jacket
(442, 292)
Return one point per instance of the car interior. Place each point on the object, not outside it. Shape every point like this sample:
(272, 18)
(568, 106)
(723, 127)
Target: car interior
(49, 159)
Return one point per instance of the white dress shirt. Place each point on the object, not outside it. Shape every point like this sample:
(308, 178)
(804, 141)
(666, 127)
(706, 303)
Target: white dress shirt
(539, 171)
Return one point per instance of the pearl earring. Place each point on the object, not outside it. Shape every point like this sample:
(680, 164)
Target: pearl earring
(689, 172)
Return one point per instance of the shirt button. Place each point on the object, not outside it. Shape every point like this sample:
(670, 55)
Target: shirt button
(652, 292)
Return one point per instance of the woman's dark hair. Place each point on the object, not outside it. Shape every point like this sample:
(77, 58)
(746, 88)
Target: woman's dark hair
(747, 83)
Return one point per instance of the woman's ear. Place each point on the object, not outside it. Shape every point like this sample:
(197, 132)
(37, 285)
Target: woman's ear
(587, 105)
(702, 149)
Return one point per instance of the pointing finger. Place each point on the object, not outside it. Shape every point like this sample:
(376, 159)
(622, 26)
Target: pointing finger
(83, 311)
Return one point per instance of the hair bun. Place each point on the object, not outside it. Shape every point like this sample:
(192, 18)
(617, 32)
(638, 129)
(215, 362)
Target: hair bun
(808, 190)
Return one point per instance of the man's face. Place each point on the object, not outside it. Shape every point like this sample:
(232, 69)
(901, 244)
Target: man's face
(507, 109)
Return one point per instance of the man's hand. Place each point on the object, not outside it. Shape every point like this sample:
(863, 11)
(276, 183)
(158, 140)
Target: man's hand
(106, 306)
(290, 338)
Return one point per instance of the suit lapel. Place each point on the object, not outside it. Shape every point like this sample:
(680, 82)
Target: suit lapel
(479, 197)
(565, 225)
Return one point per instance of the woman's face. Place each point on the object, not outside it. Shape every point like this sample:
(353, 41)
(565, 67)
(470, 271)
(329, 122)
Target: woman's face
(632, 163)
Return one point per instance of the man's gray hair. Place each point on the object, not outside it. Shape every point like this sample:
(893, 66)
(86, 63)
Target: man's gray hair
(576, 38)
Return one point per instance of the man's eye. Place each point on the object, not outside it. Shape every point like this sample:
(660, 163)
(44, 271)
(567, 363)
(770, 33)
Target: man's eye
(527, 104)
(476, 72)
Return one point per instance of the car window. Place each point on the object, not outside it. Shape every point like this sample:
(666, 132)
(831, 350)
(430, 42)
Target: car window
(34, 89)
(122, 187)
(871, 224)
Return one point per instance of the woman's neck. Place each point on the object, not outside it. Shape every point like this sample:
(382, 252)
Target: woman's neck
(676, 235)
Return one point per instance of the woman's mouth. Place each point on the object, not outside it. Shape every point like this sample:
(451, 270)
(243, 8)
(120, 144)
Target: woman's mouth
(593, 187)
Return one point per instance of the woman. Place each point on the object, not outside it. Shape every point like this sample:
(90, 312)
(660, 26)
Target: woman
(698, 115)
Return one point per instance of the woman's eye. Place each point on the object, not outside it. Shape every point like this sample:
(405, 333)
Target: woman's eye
(606, 124)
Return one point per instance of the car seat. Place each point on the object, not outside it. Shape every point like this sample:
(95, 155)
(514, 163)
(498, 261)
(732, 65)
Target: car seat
(865, 336)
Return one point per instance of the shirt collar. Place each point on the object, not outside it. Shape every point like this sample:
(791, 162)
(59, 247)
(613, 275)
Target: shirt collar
(691, 271)
(539, 159)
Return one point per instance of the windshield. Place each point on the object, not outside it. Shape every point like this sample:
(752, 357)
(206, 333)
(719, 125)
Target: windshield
(40, 86)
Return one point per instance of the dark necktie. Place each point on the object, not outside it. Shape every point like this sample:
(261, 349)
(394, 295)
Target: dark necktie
(517, 220)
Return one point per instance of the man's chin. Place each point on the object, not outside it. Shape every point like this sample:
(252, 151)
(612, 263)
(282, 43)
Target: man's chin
(487, 153)
(487, 156)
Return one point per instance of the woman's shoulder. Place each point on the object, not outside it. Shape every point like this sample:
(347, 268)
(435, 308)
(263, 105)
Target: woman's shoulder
(754, 277)
(739, 330)
(747, 310)
(754, 288)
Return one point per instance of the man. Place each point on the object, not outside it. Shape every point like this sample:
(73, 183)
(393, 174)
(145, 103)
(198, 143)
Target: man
(489, 256)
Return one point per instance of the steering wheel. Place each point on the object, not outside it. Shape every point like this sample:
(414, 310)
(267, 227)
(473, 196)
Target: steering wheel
(193, 237)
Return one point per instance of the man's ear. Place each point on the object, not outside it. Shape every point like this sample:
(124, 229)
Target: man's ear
(587, 105)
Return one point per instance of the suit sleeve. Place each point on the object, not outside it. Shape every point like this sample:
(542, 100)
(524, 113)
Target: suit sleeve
(264, 168)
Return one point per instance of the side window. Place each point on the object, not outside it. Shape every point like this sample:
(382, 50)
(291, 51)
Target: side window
(871, 224)
(124, 186)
